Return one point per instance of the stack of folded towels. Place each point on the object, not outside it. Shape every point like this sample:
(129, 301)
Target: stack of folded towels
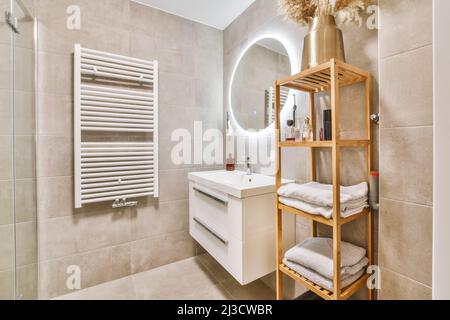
(317, 199)
(313, 259)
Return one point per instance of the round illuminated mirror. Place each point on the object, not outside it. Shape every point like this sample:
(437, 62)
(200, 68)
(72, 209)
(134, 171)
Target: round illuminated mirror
(252, 94)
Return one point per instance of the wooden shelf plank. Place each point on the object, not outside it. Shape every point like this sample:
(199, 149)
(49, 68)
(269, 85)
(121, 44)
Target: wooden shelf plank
(354, 288)
(304, 74)
(324, 293)
(325, 144)
(318, 79)
(320, 219)
(355, 217)
(313, 144)
(353, 69)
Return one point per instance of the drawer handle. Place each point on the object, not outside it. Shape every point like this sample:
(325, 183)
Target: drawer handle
(224, 202)
(215, 234)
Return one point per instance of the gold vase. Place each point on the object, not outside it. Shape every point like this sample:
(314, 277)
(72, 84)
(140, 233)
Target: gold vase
(323, 42)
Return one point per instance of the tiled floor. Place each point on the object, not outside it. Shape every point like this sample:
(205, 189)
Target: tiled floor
(198, 278)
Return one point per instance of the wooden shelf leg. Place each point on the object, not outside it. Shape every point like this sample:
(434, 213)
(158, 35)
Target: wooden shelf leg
(278, 178)
(336, 180)
(312, 155)
(279, 254)
(337, 261)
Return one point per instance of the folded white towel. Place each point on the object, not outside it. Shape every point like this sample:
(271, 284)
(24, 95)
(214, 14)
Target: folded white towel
(327, 212)
(322, 194)
(317, 254)
(319, 279)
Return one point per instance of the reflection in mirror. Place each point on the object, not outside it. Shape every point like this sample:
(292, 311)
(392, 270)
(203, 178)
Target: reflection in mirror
(252, 90)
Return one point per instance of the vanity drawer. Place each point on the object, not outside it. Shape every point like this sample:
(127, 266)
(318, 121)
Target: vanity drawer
(210, 207)
(226, 250)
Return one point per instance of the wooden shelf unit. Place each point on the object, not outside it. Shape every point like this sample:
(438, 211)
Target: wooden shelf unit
(330, 76)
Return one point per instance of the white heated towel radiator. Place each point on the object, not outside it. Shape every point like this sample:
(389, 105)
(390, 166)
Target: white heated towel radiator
(116, 127)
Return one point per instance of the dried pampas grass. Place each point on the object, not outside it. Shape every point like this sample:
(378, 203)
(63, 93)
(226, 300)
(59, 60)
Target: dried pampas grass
(300, 11)
(345, 11)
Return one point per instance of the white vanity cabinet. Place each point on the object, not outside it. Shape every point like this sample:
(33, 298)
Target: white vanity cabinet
(232, 216)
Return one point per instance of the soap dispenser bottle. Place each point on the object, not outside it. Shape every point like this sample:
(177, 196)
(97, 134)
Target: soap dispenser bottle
(231, 164)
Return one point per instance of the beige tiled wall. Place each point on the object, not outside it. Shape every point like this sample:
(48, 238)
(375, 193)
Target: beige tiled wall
(265, 17)
(109, 244)
(406, 149)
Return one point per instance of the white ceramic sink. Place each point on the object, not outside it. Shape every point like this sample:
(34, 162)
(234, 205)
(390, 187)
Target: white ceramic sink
(236, 183)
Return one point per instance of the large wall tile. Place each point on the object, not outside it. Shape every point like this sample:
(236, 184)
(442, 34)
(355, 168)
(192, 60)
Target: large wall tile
(207, 37)
(25, 200)
(172, 58)
(173, 185)
(96, 267)
(26, 37)
(24, 113)
(405, 25)
(113, 12)
(6, 70)
(55, 73)
(6, 157)
(84, 232)
(7, 285)
(55, 156)
(27, 281)
(56, 197)
(55, 115)
(171, 29)
(165, 218)
(407, 164)
(6, 112)
(100, 230)
(394, 286)
(24, 65)
(361, 45)
(7, 247)
(25, 157)
(26, 240)
(6, 202)
(54, 243)
(176, 89)
(406, 98)
(406, 241)
(154, 252)
(236, 33)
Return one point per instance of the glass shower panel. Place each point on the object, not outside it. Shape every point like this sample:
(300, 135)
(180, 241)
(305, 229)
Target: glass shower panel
(25, 207)
(18, 231)
(7, 226)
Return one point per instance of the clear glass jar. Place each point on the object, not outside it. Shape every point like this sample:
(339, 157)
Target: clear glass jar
(290, 131)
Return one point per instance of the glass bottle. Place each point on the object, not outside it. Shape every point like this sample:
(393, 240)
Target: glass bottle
(290, 131)
(231, 164)
(298, 131)
(307, 131)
